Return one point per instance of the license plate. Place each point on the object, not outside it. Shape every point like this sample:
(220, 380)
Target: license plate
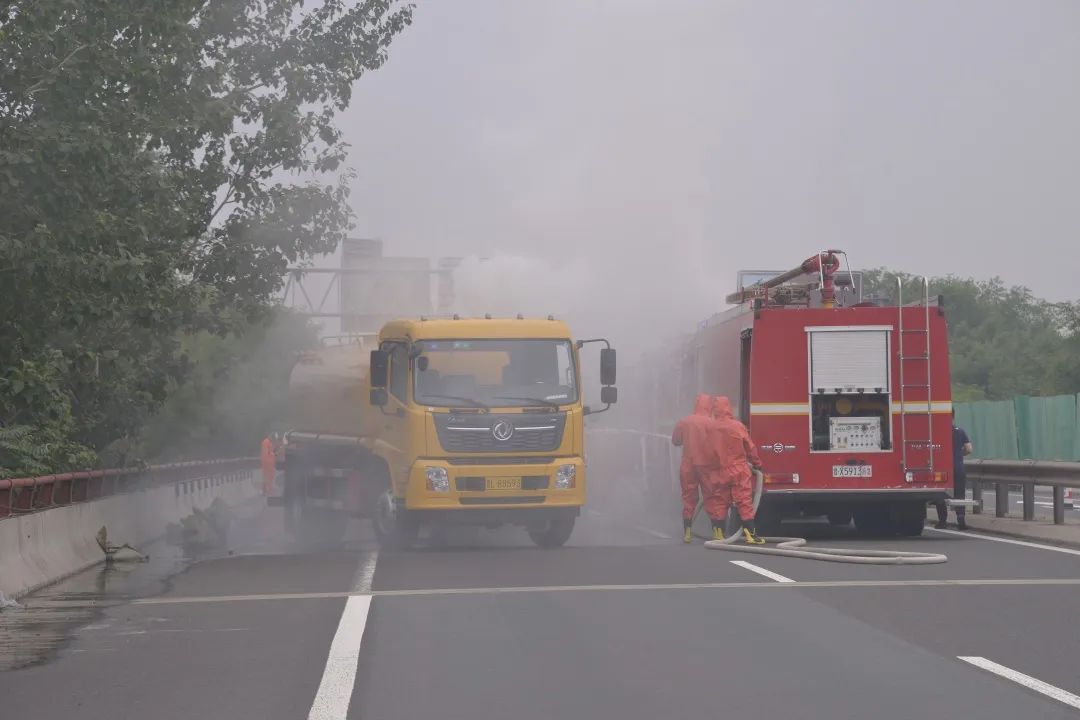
(857, 471)
(503, 483)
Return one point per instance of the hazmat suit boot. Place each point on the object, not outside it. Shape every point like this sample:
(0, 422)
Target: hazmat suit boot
(718, 532)
(687, 535)
(750, 534)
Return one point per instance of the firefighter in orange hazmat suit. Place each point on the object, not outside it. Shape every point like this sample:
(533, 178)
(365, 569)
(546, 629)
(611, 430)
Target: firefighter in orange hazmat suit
(696, 434)
(733, 483)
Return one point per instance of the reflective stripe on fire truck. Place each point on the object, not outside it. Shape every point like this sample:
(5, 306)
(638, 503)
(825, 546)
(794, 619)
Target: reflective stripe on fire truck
(780, 408)
(937, 407)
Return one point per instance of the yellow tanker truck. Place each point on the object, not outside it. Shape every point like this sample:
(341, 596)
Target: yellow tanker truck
(433, 421)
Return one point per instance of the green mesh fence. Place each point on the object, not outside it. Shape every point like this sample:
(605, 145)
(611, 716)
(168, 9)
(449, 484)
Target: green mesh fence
(1025, 428)
(1046, 427)
(1076, 431)
(991, 425)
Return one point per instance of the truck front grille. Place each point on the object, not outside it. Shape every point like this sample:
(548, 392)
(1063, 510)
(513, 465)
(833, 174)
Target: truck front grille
(484, 460)
(500, 433)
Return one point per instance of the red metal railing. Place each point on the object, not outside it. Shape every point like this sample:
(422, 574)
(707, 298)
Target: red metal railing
(30, 494)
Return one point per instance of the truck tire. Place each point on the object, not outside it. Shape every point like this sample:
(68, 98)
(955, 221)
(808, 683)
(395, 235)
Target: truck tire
(732, 523)
(839, 519)
(555, 534)
(873, 521)
(396, 527)
(767, 519)
(909, 519)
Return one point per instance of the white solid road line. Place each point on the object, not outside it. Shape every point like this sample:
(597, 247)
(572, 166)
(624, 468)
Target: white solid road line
(1062, 696)
(992, 538)
(514, 590)
(366, 573)
(762, 571)
(339, 676)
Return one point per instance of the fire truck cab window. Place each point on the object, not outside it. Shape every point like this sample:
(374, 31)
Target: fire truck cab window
(850, 390)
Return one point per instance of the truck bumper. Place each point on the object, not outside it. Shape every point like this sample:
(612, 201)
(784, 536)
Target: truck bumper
(526, 517)
(862, 496)
(491, 491)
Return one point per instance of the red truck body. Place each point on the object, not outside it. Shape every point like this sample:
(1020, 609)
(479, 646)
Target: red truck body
(849, 406)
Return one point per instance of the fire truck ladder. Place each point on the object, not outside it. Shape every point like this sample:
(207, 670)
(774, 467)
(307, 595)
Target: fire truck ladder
(922, 359)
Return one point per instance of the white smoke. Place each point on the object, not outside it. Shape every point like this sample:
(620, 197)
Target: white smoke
(507, 285)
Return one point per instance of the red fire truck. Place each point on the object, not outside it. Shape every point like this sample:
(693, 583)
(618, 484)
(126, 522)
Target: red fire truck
(848, 399)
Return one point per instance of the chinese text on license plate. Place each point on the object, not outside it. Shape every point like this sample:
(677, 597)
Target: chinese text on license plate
(861, 471)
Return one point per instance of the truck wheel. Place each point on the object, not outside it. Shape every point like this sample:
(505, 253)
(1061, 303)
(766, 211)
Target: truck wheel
(555, 534)
(768, 519)
(839, 519)
(873, 521)
(396, 527)
(909, 519)
(732, 523)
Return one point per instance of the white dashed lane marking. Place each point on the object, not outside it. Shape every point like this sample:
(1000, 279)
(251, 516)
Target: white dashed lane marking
(762, 571)
(1062, 696)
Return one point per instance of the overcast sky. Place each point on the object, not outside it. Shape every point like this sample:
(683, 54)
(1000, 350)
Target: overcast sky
(658, 146)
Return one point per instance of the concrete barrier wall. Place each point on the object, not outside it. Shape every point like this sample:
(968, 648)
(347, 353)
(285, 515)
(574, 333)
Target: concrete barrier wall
(43, 547)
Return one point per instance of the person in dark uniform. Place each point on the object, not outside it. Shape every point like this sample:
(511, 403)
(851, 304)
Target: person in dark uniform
(961, 447)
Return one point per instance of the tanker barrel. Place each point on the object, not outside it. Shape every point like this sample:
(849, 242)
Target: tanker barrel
(328, 391)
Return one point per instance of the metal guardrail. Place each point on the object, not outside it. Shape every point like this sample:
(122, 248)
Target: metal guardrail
(32, 494)
(1028, 474)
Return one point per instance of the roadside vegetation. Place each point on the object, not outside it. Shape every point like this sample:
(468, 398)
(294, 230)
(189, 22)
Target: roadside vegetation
(161, 164)
(1003, 341)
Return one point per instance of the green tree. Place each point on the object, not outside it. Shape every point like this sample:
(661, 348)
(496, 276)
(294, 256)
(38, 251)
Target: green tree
(1003, 341)
(141, 149)
(235, 393)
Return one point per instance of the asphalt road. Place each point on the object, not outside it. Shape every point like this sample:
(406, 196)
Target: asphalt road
(625, 622)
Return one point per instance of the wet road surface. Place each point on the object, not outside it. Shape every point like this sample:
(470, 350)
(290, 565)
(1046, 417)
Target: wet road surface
(625, 622)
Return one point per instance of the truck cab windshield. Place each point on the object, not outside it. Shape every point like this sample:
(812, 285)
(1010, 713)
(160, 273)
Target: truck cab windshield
(494, 373)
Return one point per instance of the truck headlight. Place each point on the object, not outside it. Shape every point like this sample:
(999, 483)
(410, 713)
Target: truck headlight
(437, 479)
(566, 477)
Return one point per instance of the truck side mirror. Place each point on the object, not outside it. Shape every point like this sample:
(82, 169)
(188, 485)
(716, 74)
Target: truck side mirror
(380, 368)
(609, 394)
(378, 397)
(607, 366)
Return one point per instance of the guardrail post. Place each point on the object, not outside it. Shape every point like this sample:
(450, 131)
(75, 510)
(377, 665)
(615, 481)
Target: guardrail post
(976, 496)
(1029, 500)
(1001, 498)
(1059, 505)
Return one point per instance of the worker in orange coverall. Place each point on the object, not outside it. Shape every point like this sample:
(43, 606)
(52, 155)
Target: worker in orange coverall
(268, 458)
(696, 434)
(733, 483)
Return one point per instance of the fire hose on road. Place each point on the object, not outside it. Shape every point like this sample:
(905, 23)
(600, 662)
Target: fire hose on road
(796, 547)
